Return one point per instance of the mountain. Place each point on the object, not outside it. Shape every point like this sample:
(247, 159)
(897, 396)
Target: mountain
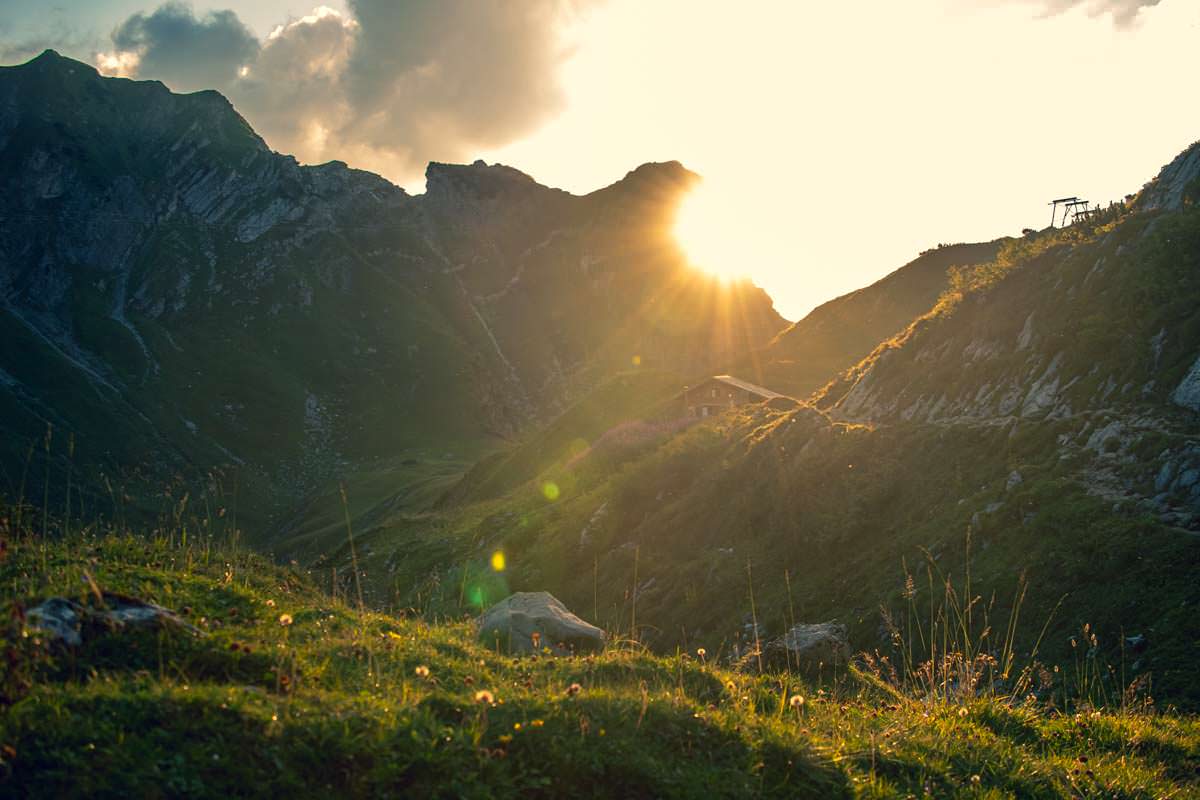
(248, 331)
(1034, 429)
(838, 334)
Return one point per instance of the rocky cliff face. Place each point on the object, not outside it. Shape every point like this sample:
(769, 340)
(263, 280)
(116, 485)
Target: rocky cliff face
(177, 296)
(1177, 186)
(1089, 332)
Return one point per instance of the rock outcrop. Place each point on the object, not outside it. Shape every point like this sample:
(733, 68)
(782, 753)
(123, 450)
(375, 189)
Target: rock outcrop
(1176, 185)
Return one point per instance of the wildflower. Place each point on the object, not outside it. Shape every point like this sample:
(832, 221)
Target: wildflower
(234, 646)
(975, 779)
(485, 697)
(536, 638)
(285, 619)
(537, 723)
(701, 652)
(270, 603)
(468, 680)
(796, 701)
(422, 671)
(516, 726)
(962, 712)
(505, 739)
(574, 689)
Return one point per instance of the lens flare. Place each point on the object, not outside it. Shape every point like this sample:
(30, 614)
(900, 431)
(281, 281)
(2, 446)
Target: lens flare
(498, 561)
(550, 491)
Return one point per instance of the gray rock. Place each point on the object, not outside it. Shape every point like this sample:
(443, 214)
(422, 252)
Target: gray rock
(512, 624)
(66, 622)
(1163, 480)
(1014, 480)
(58, 620)
(1170, 187)
(1188, 478)
(809, 645)
(1025, 339)
(1187, 393)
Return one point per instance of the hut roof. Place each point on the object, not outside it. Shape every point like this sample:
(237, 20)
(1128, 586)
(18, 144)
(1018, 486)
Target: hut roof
(753, 388)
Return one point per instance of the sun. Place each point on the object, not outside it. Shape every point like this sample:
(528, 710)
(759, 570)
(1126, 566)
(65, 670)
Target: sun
(711, 231)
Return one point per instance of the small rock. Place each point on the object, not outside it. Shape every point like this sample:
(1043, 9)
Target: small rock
(1014, 480)
(809, 645)
(513, 622)
(69, 623)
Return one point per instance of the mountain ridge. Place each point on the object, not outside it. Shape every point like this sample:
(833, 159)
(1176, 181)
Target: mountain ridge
(156, 251)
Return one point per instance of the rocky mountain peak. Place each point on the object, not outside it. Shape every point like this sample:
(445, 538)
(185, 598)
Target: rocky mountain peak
(657, 179)
(479, 186)
(1176, 185)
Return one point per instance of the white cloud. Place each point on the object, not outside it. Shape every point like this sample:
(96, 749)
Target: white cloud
(1124, 12)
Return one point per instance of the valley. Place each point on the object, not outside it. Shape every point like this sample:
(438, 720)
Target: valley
(227, 379)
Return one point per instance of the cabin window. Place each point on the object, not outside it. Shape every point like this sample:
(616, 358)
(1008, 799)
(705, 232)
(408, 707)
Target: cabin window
(714, 392)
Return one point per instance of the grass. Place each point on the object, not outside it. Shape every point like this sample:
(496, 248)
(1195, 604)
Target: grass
(359, 703)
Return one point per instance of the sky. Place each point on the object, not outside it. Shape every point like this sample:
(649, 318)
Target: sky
(836, 140)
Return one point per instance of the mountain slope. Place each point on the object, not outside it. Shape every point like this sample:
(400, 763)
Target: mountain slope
(1039, 421)
(245, 330)
(837, 334)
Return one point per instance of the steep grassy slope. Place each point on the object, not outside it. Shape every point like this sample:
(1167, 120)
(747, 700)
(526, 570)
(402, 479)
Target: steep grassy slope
(838, 334)
(284, 690)
(196, 310)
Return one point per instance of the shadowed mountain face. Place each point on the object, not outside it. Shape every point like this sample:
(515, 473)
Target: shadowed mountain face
(175, 295)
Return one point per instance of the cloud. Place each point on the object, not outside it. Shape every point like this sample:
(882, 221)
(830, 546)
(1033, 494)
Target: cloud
(388, 86)
(1124, 12)
(172, 45)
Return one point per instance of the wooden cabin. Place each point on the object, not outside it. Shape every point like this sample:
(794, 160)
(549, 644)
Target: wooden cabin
(720, 392)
